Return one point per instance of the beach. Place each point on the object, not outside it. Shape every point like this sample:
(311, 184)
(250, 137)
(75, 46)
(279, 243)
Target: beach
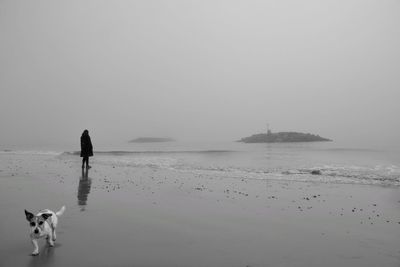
(219, 133)
(119, 215)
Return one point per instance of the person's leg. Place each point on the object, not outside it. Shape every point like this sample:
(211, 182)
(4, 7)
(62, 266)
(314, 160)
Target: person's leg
(85, 160)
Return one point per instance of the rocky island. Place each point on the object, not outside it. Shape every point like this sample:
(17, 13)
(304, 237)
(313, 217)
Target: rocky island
(151, 140)
(283, 137)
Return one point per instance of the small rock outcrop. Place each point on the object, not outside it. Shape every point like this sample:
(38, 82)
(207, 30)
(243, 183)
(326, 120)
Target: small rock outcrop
(283, 137)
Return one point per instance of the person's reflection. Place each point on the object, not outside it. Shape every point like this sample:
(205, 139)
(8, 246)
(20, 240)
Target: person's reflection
(84, 188)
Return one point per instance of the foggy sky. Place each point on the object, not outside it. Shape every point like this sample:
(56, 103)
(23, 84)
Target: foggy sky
(201, 70)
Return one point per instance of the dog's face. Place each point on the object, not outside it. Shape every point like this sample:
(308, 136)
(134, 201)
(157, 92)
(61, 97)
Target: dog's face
(37, 223)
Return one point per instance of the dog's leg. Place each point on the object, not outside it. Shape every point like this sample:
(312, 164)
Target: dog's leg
(53, 230)
(54, 235)
(50, 240)
(35, 247)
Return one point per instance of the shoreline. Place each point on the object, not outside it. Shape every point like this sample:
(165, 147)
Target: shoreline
(123, 216)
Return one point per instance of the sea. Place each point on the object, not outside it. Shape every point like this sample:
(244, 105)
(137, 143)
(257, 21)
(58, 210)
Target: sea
(326, 162)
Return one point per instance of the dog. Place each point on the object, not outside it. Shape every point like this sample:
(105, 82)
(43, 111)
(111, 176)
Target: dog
(41, 225)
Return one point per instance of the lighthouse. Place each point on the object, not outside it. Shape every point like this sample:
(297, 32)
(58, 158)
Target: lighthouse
(268, 130)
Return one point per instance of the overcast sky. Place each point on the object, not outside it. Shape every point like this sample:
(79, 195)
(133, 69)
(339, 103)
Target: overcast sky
(212, 70)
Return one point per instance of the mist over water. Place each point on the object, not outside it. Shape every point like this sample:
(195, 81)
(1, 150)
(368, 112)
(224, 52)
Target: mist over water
(198, 71)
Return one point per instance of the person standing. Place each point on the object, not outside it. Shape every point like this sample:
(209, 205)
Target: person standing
(86, 148)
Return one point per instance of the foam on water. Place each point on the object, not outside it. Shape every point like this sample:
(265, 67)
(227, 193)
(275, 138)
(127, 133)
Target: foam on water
(297, 162)
(225, 163)
(30, 152)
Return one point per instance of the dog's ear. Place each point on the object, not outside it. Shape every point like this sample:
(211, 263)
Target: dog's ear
(29, 216)
(46, 215)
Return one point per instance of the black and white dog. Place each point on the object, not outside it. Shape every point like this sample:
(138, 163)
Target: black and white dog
(43, 224)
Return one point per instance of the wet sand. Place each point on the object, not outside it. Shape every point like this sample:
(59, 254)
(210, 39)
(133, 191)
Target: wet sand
(120, 216)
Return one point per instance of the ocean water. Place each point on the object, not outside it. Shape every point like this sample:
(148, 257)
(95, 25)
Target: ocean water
(278, 161)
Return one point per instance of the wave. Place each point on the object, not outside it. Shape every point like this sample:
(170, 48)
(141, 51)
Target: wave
(389, 175)
(226, 167)
(123, 152)
(305, 175)
(340, 175)
(350, 150)
(30, 152)
(374, 175)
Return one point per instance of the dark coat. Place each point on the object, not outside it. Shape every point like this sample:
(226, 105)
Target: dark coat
(86, 146)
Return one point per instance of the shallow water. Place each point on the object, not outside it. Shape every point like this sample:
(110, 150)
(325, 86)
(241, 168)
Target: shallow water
(286, 161)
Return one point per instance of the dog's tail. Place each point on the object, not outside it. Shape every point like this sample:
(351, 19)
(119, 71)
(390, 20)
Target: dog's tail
(61, 211)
